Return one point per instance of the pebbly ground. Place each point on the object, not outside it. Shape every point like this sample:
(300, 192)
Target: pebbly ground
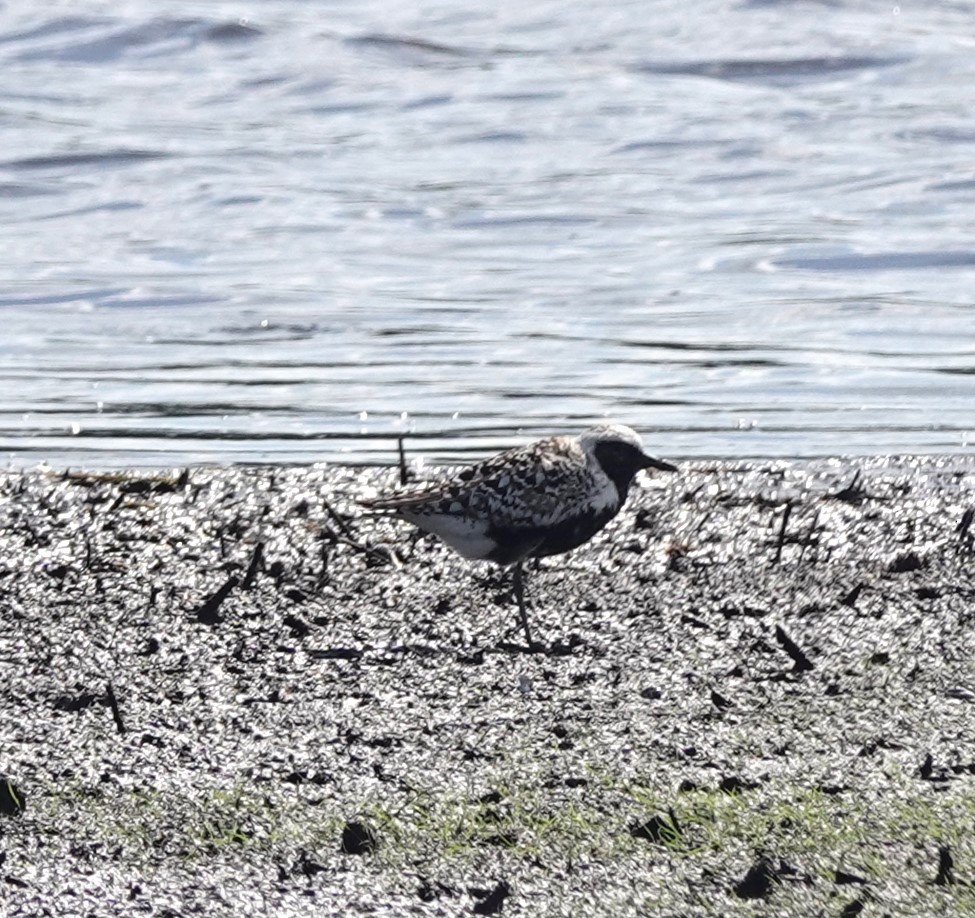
(758, 699)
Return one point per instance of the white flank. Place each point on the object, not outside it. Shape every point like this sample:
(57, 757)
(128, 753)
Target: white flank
(464, 535)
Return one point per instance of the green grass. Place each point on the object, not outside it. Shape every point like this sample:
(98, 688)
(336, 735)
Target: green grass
(891, 842)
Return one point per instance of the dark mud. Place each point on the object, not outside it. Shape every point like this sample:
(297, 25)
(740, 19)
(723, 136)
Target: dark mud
(229, 692)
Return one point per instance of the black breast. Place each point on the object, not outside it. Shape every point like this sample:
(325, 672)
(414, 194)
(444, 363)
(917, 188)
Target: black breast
(542, 541)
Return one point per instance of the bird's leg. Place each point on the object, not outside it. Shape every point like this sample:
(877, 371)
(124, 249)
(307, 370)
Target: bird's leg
(519, 587)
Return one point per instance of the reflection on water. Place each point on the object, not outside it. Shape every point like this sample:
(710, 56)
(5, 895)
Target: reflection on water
(300, 238)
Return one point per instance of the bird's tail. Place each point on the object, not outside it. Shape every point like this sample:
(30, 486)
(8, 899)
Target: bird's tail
(376, 503)
(395, 501)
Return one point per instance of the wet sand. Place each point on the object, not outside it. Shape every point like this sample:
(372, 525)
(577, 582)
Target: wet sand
(758, 697)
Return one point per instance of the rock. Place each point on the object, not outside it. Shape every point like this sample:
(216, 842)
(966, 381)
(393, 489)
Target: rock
(12, 799)
(661, 830)
(757, 882)
(359, 838)
(492, 903)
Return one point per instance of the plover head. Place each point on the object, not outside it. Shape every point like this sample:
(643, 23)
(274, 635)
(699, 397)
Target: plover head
(619, 452)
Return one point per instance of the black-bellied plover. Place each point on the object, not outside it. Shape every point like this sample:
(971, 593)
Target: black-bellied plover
(529, 502)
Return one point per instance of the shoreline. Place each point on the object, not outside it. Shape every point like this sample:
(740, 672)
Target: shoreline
(422, 462)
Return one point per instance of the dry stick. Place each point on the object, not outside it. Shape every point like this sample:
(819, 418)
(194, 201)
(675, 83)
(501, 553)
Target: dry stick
(348, 537)
(209, 612)
(850, 599)
(255, 565)
(809, 538)
(324, 555)
(946, 865)
(110, 643)
(685, 538)
(802, 663)
(966, 522)
(965, 538)
(116, 713)
(404, 475)
(334, 514)
(387, 554)
(785, 522)
(852, 493)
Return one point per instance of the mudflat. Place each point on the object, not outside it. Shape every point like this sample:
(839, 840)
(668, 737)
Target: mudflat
(231, 691)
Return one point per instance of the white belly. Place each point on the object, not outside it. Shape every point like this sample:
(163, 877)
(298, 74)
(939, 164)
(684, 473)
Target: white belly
(465, 536)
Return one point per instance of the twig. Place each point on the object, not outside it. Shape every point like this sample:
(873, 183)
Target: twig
(116, 713)
(404, 474)
(209, 612)
(334, 514)
(255, 565)
(785, 522)
(946, 865)
(802, 662)
(348, 537)
(965, 537)
(387, 554)
(809, 538)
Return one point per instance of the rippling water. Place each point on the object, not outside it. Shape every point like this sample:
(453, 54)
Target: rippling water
(746, 228)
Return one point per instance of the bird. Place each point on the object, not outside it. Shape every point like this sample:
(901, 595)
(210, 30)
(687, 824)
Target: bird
(533, 501)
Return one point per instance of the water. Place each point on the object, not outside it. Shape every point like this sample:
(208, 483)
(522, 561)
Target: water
(745, 228)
